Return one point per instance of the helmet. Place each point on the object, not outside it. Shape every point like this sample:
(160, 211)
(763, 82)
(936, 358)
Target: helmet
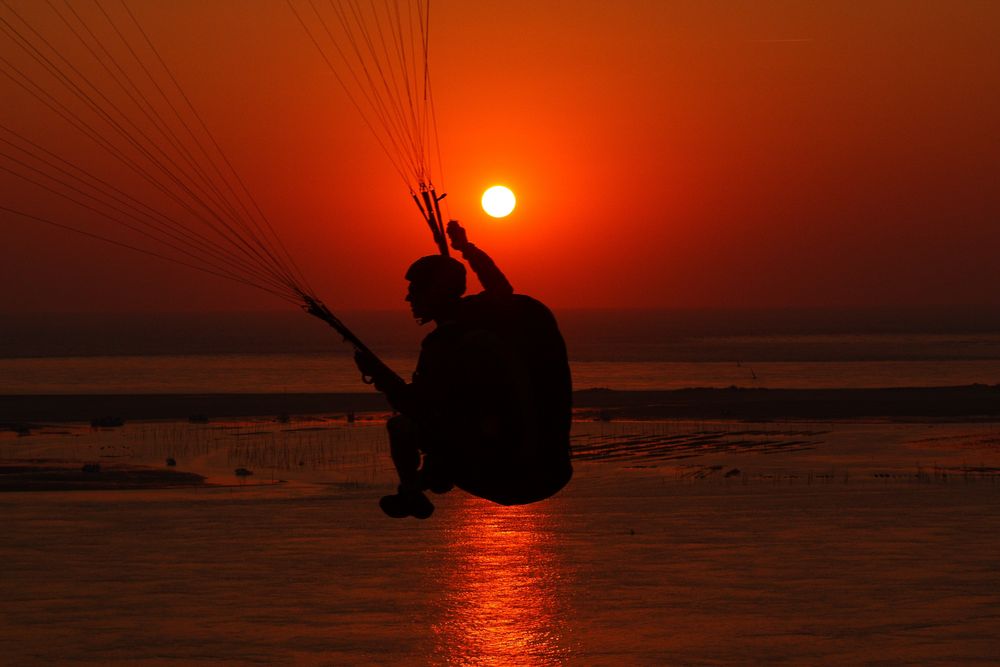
(445, 275)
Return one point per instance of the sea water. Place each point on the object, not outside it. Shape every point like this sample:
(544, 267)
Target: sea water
(626, 350)
(806, 557)
(862, 543)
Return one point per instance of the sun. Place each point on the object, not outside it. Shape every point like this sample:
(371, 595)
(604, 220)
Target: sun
(498, 201)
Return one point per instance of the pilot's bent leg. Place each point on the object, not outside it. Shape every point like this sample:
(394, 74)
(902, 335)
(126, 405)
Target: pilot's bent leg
(404, 448)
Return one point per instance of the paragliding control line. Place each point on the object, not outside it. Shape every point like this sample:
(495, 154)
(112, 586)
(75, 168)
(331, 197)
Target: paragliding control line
(317, 308)
(430, 208)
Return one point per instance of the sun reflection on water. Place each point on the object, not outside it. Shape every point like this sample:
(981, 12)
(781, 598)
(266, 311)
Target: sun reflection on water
(503, 582)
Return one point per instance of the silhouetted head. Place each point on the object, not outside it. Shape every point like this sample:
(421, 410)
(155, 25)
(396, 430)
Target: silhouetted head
(436, 285)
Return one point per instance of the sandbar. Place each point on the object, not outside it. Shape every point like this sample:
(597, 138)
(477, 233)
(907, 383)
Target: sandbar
(972, 402)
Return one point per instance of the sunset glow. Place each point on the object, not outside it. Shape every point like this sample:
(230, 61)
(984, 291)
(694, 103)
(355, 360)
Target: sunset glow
(742, 148)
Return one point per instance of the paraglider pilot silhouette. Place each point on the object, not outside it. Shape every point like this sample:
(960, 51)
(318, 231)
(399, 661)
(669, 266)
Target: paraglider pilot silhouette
(488, 409)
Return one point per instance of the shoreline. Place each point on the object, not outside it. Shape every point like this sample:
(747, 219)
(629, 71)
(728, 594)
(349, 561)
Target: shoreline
(977, 402)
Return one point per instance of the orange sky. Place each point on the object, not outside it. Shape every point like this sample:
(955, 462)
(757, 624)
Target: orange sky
(664, 155)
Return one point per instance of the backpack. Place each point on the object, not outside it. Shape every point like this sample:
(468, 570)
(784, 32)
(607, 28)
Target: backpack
(537, 463)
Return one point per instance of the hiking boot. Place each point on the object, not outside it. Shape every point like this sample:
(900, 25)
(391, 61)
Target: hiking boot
(404, 504)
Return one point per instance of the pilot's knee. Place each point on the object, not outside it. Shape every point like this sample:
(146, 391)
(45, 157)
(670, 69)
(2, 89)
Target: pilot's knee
(400, 427)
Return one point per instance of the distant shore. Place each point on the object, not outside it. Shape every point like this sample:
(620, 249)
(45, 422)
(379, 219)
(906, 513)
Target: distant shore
(978, 402)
